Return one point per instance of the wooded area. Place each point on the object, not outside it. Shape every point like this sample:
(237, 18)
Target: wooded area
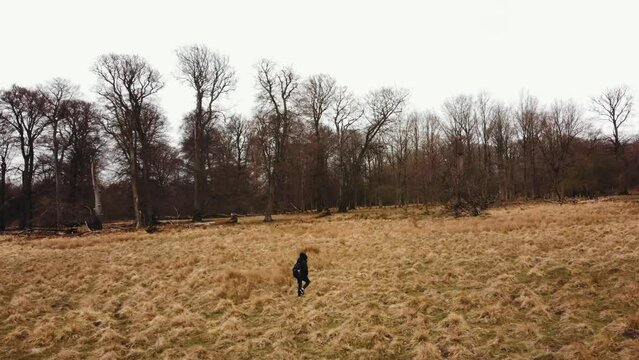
(311, 144)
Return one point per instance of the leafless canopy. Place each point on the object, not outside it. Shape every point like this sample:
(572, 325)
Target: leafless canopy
(208, 73)
(276, 88)
(317, 96)
(126, 82)
(382, 107)
(615, 106)
(462, 122)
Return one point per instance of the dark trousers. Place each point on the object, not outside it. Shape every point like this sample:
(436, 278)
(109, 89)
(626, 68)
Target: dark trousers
(299, 284)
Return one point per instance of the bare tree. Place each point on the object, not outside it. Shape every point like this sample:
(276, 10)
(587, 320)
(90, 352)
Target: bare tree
(482, 113)
(127, 84)
(615, 106)
(316, 97)
(25, 113)
(462, 124)
(423, 156)
(97, 194)
(6, 139)
(150, 131)
(345, 114)
(502, 140)
(237, 129)
(84, 142)
(383, 106)
(400, 150)
(461, 131)
(432, 148)
(560, 126)
(211, 76)
(276, 88)
(57, 92)
(416, 162)
(528, 127)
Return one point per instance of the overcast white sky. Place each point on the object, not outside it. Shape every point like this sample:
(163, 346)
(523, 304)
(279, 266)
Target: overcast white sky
(555, 49)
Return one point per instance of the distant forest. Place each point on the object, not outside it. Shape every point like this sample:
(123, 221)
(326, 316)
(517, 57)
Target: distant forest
(311, 144)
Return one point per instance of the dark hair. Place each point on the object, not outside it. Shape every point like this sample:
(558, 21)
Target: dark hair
(303, 256)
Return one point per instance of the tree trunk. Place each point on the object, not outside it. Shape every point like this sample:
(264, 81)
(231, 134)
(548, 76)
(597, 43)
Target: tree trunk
(3, 172)
(56, 165)
(197, 202)
(534, 174)
(460, 170)
(352, 190)
(27, 182)
(559, 191)
(624, 174)
(95, 222)
(459, 173)
(149, 213)
(501, 182)
(270, 204)
(342, 204)
(197, 158)
(97, 192)
(134, 187)
(26, 202)
(320, 172)
(525, 183)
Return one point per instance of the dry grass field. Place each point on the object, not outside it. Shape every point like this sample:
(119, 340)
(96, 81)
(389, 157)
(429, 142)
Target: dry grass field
(539, 281)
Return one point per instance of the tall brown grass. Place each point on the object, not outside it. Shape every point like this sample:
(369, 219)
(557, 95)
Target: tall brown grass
(540, 281)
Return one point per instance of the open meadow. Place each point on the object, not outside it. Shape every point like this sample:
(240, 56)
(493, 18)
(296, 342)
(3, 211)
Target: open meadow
(540, 281)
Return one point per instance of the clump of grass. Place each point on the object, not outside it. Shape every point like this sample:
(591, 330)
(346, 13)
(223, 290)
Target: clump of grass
(631, 330)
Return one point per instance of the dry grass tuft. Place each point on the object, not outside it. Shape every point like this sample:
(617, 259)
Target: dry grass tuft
(536, 281)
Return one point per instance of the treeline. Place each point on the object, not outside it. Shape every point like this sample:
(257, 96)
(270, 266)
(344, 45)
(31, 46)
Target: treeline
(311, 144)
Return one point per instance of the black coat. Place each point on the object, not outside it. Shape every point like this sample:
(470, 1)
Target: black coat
(300, 270)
